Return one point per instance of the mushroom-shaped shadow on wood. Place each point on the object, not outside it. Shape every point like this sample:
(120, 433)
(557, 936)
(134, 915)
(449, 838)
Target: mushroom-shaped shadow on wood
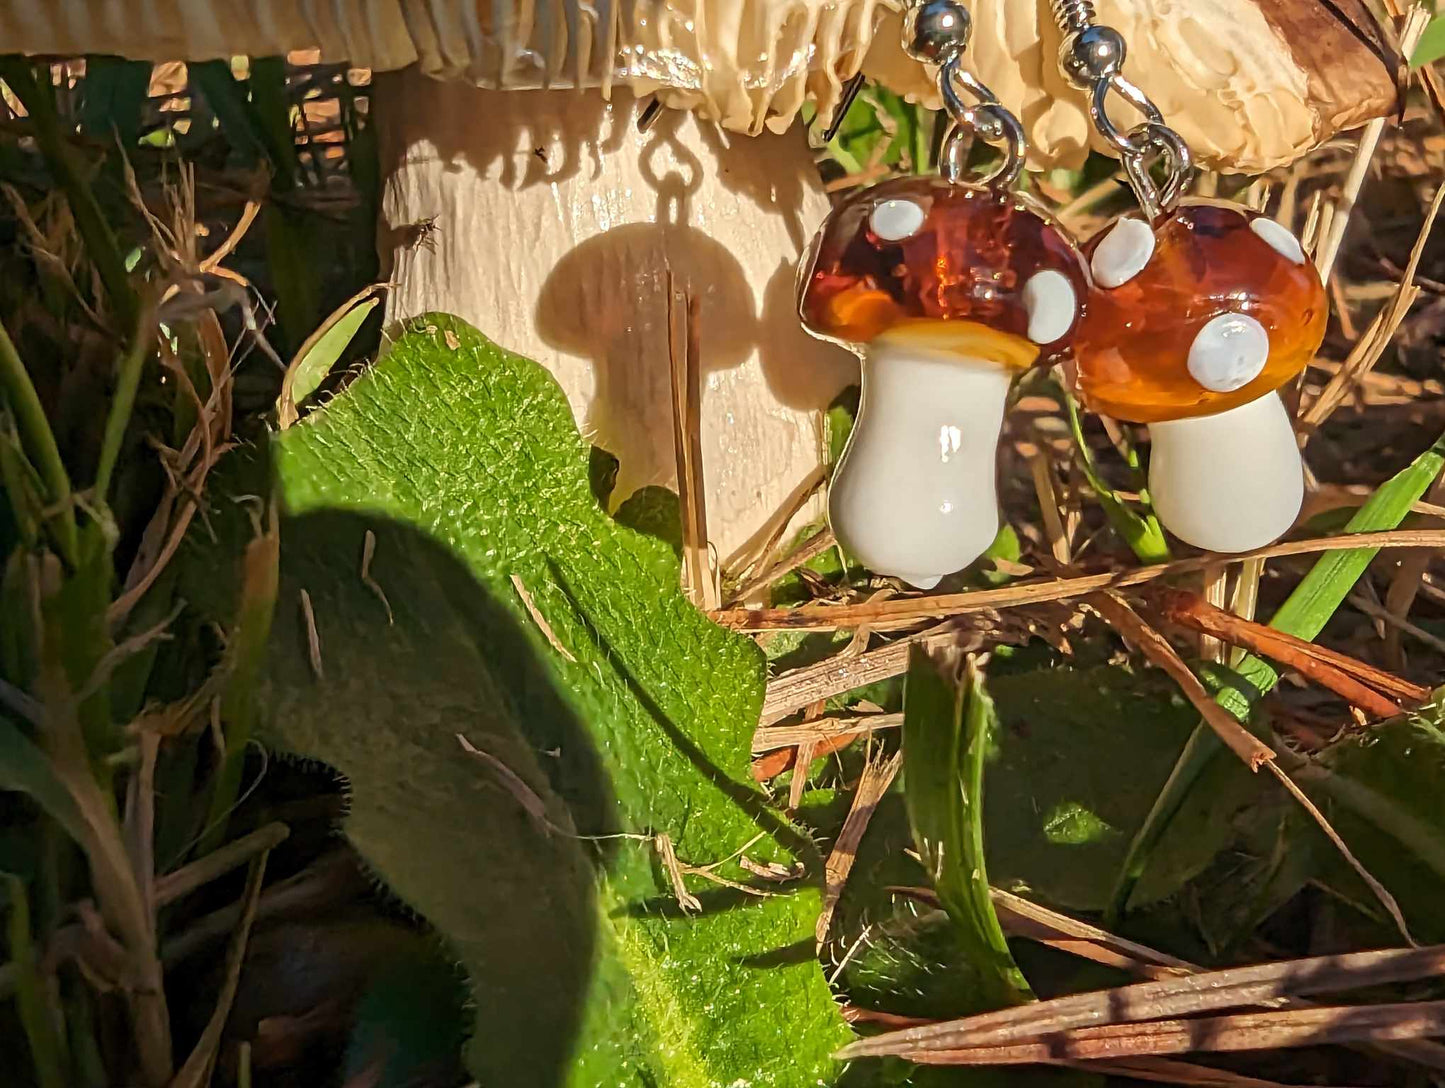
(558, 223)
(947, 292)
(1190, 327)
(606, 300)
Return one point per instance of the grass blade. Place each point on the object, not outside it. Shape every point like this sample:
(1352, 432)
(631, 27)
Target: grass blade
(1142, 532)
(29, 990)
(1304, 614)
(123, 402)
(947, 724)
(39, 443)
(24, 768)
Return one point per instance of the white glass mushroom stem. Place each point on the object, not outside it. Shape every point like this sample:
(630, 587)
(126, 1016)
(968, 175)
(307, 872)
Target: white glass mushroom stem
(1228, 482)
(914, 494)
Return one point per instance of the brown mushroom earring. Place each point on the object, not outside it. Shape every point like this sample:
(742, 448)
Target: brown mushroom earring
(1199, 312)
(947, 288)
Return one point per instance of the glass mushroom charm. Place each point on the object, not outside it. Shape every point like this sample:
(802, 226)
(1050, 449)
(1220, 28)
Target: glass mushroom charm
(947, 292)
(1190, 327)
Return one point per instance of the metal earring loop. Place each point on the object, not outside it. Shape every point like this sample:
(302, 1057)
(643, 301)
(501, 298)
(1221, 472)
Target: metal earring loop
(987, 120)
(1092, 59)
(936, 32)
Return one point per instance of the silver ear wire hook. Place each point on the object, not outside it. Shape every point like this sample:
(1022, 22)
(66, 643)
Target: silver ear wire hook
(1092, 59)
(936, 32)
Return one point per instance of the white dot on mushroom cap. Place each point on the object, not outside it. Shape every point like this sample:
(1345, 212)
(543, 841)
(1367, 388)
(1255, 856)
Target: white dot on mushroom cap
(895, 220)
(1228, 353)
(1049, 299)
(1279, 238)
(1122, 253)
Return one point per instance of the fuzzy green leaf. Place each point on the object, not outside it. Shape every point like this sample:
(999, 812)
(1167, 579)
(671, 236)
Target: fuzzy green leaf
(464, 461)
(948, 719)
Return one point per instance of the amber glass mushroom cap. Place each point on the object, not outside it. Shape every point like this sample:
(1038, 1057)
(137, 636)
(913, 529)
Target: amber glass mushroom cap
(922, 260)
(1177, 320)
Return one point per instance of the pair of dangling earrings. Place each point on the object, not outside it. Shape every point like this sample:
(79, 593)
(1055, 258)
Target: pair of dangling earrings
(1187, 316)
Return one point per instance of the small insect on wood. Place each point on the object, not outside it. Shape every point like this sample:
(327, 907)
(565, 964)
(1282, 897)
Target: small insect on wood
(421, 234)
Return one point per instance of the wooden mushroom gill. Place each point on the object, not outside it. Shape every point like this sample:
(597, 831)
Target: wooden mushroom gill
(559, 220)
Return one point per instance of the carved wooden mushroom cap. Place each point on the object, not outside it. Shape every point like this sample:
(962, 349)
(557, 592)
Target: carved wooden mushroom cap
(1210, 309)
(956, 267)
(746, 64)
(1249, 84)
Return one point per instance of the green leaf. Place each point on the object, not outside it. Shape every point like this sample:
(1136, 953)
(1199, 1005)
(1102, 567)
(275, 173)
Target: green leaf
(948, 718)
(1304, 615)
(315, 358)
(1382, 789)
(1431, 46)
(24, 768)
(1058, 813)
(464, 461)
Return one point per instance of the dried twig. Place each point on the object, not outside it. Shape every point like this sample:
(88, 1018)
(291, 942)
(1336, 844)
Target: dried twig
(1167, 1071)
(540, 620)
(1029, 919)
(1156, 648)
(1346, 676)
(790, 692)
(523, 794)
(140, 819)
(1255, 985)
(313, 637)
(1370, 608)
(686, 368)
(1377, 889)
(815, 546)
(188, 878)
(877, 776)
(368, 552)
(667, 856)
(757, 548)
(821, 729)
(196, 1073)
(1368, 350)
(1024, 918)
(888, 615)
(1245, 1031)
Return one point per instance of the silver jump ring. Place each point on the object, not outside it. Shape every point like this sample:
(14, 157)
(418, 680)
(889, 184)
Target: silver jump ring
(1137, 145)
(1154, 137)
(985, 119)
